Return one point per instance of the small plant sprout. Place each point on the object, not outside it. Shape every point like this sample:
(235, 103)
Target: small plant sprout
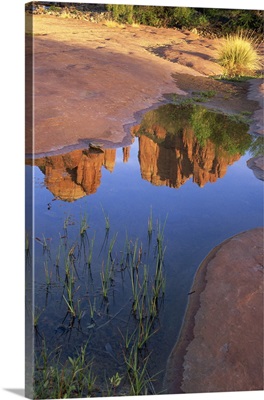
(44, 241)
(65, 225)
(150, 223)
(80, 313)
(115, 381)
(104, 274)
(92, 308)
(90, 253)
(36, 316)
(107, 220)
(58, 256)
(71, 251)
(47, 273)
(84, 225)
(70, 305)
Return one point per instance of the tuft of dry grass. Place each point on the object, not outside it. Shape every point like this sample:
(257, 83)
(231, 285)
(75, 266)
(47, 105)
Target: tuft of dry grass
(238, 55)
(113, 24)
(65, 15)
(135, 25)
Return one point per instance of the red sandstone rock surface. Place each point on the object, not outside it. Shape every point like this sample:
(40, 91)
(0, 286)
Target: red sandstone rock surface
(220, 347)
(88, 80)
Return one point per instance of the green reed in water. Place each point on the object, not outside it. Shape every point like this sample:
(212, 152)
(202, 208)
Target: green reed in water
(150, 223)
(55, 380)
(83, 225)
(133, 266)
(107, 220)
(47, 273)
(139, 379)
(90, 254)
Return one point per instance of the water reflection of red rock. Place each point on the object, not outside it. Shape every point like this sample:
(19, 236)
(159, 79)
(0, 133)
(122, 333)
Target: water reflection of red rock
(76, 174)
(175, 160)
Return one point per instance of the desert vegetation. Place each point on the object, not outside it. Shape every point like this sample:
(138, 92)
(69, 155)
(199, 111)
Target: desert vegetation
(207, 21)
(241, 31)
(238, 55)
(87, 284)
(228, 133)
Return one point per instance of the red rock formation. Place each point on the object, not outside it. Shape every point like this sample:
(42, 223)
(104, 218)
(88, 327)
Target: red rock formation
(76, 174)
(109, 159)
(172, 162)
(220, 346)
(126, 154)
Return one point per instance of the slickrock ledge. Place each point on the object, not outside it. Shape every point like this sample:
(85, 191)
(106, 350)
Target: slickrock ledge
(257, 166)
(256, 93)
(220, 347)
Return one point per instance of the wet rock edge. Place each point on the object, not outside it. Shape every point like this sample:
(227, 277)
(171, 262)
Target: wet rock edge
(175, 365)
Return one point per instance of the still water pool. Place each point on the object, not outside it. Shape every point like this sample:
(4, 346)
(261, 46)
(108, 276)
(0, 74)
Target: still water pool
(106, 219)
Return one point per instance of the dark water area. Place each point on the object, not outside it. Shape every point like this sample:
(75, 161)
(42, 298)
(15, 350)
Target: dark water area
(185, 172)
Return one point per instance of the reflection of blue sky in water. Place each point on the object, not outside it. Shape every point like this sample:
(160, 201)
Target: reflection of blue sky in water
(197, 220)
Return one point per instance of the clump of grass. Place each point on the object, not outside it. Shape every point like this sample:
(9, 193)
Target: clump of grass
(203, 96)
(139, 379)
(56, 380)
(65, 14)
(115, 381)
(238, 55)
(113, 24)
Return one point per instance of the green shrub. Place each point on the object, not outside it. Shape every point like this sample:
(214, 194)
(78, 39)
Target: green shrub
(238, 55)
(55, 9)
(121, 12)
(150, 15)
(182, 17)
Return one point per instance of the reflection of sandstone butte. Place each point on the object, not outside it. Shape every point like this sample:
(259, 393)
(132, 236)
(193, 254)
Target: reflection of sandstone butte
(178, 158)
(76, 174)
(126, 154)
(109, 159)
